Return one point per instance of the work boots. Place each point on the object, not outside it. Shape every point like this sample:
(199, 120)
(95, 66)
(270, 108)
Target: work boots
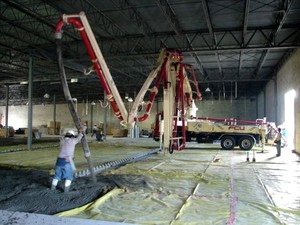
(53, 187)
(67, 185)
(54, 184)
(67, 188)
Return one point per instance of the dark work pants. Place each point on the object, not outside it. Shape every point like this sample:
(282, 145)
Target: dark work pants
(278, 146)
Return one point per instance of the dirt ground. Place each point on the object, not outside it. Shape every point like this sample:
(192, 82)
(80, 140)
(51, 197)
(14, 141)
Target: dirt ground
(29, 191)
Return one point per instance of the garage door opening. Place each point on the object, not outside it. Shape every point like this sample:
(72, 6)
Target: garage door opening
(289, 112)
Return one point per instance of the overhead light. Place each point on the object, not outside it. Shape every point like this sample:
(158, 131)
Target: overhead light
(130, 99)
(93, 103)
(74, 80)
(74, 99)
(126, 96)
(24, 82)
(46, 95)
(207, 89)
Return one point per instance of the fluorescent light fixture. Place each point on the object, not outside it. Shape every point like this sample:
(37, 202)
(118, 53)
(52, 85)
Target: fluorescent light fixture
(24, 82)
(46, 95)
(207, 89)
(74, 80)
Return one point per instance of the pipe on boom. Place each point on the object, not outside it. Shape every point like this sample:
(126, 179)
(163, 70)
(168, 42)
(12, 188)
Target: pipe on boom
(96, 65)
(154, 91)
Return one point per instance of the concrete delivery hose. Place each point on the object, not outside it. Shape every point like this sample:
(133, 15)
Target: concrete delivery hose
(71, 106)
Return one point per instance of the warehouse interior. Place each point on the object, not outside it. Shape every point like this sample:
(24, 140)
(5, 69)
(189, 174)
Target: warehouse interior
(245, 57)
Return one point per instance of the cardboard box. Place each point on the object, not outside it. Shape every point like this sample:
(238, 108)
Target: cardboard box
(34, 130)
(52, 131)
(119, 132)
(57, 124)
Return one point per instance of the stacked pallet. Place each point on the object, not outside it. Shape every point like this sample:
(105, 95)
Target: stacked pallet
(54, 128)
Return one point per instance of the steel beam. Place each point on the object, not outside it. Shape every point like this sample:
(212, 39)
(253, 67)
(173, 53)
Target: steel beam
(174, 22)
(211, 32)
(245, 25)
(286, 7)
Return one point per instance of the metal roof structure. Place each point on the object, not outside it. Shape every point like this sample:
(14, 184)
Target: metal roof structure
(235, 46)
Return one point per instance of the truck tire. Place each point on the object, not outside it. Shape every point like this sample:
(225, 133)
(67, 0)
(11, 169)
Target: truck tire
(188, 136)
(227, 142)
(246, 143)
(155, 138)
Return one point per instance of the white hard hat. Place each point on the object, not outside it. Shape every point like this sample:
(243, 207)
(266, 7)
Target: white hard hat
(71, 132)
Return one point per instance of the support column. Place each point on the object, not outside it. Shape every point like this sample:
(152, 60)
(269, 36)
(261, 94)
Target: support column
(30, 84)
(6, 110)
(265, 102)
(54, 112)
(104, 116)
(92, 115)
(256, 106)
(275, 101)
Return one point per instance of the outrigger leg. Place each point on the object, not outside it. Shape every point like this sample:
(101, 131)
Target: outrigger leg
(253, 158)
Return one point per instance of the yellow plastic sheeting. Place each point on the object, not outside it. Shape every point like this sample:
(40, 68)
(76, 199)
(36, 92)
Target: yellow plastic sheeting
(134, 207)
(202, 187)
(91, 209)
(268, 190)
(205, 210)
(153, 208)
(163, 190)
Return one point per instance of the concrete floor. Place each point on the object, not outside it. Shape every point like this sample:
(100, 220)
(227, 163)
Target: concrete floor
(200, 185)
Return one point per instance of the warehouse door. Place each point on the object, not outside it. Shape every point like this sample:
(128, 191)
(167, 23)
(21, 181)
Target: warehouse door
(289, 111)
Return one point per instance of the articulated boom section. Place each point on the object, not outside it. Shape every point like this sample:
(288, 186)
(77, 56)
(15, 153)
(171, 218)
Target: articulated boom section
(169, 70)
(99, 64)
(177, 101)
(159, 70)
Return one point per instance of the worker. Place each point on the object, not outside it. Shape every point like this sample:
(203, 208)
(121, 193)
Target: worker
(64, 163)
(99, 135)
(95, 129)
(277, 140)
